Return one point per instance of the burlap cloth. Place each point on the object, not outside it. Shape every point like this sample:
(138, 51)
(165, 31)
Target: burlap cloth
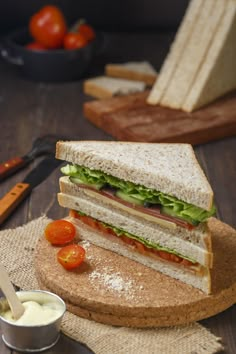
(16, 254)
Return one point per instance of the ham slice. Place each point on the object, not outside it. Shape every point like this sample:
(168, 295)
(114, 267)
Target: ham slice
(153, 210)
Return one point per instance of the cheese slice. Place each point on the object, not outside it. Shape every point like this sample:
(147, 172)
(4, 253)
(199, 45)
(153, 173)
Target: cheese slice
(135, 212)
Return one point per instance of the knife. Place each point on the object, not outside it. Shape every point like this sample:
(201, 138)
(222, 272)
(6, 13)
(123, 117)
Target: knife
(43, 145)
(21, 190)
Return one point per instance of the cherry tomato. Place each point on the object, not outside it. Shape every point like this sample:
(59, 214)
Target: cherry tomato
(87, 31)
(60, 232)
(35, 46)
(74, 41)
(71, 256)
(48, 26)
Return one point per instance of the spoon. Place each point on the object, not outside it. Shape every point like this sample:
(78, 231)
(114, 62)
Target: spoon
(16, 306)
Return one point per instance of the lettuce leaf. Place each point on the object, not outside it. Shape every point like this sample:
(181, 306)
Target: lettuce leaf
(170, 205)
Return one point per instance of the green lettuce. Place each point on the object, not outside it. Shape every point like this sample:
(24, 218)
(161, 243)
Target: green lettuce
(169, 205)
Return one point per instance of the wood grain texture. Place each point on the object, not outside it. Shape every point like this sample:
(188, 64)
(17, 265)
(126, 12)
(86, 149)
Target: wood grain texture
(29, 109)
(132, 119)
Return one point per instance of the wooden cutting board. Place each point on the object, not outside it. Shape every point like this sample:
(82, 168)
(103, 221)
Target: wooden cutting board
(130, 118)
(112, 289)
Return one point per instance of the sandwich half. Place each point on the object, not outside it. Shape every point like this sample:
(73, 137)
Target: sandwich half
(147, 202)
(176, 52)
(194, 55)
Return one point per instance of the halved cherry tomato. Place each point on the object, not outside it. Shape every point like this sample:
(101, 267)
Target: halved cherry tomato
(71, 256)
(48, 26)
(87, 31)
(35, 46)
(60, 232)
(74, 41)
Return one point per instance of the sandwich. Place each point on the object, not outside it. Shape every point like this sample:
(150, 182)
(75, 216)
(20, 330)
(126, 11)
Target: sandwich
(147, 202)
(200, 66)
(216, 76)
(194, 54)
(176, 52)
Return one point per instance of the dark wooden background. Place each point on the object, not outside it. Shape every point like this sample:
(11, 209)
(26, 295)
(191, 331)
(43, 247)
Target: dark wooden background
(31, 109)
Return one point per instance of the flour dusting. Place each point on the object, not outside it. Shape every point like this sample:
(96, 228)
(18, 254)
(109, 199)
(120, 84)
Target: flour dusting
(114, 282)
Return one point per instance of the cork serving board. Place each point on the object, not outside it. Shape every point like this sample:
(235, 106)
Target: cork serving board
(114, 290)
(130, 118)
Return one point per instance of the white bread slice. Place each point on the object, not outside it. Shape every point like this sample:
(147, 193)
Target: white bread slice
(200, 281)
(137, 71)
(104, 87)
(194, 54)
(217, 75)
(135, 226)
(176, 51)
(170, 168)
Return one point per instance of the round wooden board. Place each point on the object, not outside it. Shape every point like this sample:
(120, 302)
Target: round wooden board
(112, 289)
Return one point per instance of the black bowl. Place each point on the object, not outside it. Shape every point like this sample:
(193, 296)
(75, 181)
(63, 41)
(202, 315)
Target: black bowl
(55, 65)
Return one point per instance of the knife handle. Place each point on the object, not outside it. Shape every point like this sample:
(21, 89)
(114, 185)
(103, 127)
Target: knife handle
(12, 199)
(10, 166)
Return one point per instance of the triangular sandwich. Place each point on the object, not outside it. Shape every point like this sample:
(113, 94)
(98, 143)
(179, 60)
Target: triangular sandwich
(194, 55)
(217, 74)
(177, 49)
(147, 202)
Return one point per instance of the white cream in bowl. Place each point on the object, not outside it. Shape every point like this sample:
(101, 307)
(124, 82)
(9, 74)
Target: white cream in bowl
(38, 328)
(36, 313)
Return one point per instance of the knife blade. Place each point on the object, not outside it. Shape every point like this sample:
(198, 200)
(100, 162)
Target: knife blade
(21, 190)
(43, 145)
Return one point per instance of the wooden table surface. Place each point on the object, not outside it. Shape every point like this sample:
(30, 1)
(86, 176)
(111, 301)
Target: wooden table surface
(30, 109)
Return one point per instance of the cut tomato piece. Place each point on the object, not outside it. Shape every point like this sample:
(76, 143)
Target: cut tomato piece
(164, 255)
(90, 222)
(186, 262)
(102, 228)
(71, 256)
(127, 240)
(140, 247)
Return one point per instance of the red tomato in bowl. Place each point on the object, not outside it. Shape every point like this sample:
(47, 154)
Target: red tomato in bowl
(87, 31)
(71, 256)
(74, 41)
(48, 26)
(35, 46)
(60, 232)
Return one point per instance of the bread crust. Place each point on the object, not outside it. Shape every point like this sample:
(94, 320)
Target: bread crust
(170, 168)
(105, 87)
(116, 70)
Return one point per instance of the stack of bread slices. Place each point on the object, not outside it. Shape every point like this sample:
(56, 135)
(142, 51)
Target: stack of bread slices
(201, 63)
(121, 79)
